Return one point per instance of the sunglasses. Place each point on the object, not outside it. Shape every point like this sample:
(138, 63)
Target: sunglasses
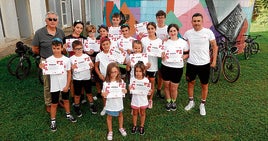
(54, 19)
(78, 49)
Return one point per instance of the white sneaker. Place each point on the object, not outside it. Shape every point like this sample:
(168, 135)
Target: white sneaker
(103, 112)
(110, 136)
(95, 98)
(123, 132)
(189, 106)
(202, 109)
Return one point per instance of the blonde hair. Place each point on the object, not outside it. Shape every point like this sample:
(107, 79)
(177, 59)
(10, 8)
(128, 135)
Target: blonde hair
(90, 28)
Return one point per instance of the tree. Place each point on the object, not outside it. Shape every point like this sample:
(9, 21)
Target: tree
(261, 11)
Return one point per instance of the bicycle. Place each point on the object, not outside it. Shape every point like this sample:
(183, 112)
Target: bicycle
(20, 64)
(251, 47)
(226, 62)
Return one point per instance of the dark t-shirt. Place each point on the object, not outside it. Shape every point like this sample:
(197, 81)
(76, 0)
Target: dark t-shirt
(43, 40)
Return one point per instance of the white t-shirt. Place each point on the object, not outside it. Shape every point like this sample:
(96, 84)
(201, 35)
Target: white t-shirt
(125, 43)
(81, 75)
(179, 45)
(199, 45)
(162, 32)
(103, 60)
(152, 59)
(113, 104)
(139, 100)
(114, 33)
(59, 81)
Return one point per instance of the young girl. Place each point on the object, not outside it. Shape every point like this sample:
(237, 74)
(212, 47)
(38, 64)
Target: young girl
(81, 66)
(150, 42)
(114, 104)
(59, 80)
(139, 101)
(102, 60)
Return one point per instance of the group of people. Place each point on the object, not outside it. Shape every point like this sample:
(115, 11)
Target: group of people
(70, 62)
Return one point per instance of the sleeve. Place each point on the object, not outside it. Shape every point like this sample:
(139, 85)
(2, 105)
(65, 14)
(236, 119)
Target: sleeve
(68, 64)
(35, 41)
(211, 35)
(97, 57)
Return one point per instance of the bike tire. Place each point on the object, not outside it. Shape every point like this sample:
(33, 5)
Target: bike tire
(255, 48)
(12, 64)
(40, 76)
(231, 68)
(216, 71)
(246, 52)
(23, 68)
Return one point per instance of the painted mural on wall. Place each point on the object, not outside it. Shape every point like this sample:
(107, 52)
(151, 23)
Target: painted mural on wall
(228, 18)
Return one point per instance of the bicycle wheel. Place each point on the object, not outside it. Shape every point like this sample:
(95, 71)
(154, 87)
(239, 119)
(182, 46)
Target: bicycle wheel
(23, 68)
(231, 68)
(40, 76)
(246, 52)
(255, 48)
(12, 64)
(216, 71)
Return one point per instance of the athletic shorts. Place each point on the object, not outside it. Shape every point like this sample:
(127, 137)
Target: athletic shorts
(201, 71)
(151, 74)
(79, 84)
(171, 74)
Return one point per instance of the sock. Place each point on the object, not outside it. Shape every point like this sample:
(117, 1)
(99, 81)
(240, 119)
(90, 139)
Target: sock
(203, 101)
(168, 100)
(191, 98)
(67, 114)
(76, 105)
(53, 119)
(173, 100)
(91, 103)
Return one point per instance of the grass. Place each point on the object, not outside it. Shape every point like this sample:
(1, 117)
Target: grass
(235, 111)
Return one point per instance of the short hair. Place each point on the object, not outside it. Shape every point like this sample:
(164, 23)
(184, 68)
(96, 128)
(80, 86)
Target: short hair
(116, 15)
(104, 27)
(197, 15)
(172, 25)
(76, 43)
(78, 22)
(51, 12)
(160, 13)
(57, 41)
(124, 26)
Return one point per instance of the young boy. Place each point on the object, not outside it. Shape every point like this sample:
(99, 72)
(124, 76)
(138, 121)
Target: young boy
(114, 30)
(81, 65)
(58, 67)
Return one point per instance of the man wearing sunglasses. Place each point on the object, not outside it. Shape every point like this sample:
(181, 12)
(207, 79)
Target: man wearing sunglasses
(41, 45)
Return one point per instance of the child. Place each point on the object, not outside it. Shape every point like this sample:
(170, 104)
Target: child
(102, 60)
(59, 82)
(81, 64)
(150, 42)
(139, 102)
(137, 49)
(114, 104)
(114, 30)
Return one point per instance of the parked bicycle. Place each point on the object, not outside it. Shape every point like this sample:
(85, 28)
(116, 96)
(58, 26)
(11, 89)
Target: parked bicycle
(251, 47)
(20, 64)
(226, 62)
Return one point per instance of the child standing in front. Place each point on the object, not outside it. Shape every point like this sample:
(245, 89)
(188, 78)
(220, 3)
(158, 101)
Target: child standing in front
(59, 81)
(114, 102)
(139, 101)
(81, 65)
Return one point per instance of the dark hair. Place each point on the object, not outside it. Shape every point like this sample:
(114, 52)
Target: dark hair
(172, 25)
(78, 22)
(57, 41)
(104, 27)
(116, 15)
(197, 15)
(152, 24)
(140, 65)
(108, 72)
(103, 39)
(124, 26)
(160, 13)
(76, 43)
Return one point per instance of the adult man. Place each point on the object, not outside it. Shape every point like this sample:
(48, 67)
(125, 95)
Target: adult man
(198, 63)
(41, 44)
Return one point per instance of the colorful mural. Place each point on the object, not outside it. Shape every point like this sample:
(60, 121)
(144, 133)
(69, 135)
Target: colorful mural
(230, 18)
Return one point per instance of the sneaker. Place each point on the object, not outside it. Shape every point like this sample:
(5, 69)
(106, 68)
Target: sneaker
(158, 93)
(103, 112)
(168, 106)
(173, 106)
(142, 131)
(77, 110)
(95, 98)
(123, 132)
(93, 109)
(189, 106)
(83, 101)
(71, 118)
(110, 136)
(53, 126)
(134, 130)
(202, 109)
(150, 106)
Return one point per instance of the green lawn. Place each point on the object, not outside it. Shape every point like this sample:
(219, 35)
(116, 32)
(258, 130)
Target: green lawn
(235, 111)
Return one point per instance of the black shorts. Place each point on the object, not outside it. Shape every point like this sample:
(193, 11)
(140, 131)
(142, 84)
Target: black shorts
(151, 74)
(79, 84)
(201, 71)
(171, 74)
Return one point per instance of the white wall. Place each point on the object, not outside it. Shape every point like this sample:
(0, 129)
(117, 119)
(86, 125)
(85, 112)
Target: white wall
(38, 11)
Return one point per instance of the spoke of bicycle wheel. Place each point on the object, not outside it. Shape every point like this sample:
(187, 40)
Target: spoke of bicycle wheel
(12, 64)
(231, 69)
(23, 68)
